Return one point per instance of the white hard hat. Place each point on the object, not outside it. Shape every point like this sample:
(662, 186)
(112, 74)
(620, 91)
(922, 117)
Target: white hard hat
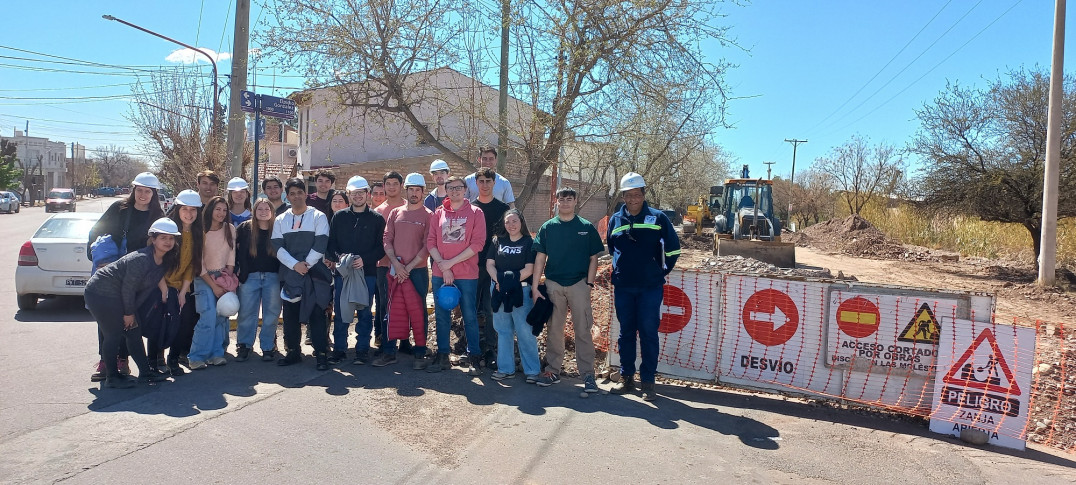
(438, 165)
(146, 179)
(189, 198)
(164, 225)
(414, 179)
(357, 182)
(237, 183)
(631, 180)
(228, 304)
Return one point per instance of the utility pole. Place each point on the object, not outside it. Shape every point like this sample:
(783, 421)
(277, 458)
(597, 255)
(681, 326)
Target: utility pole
(1048, 239)
(792, 179)
(236, 116)
(502, 109)
(769, 168)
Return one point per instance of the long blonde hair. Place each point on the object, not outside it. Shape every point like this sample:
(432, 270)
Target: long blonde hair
(254, 230)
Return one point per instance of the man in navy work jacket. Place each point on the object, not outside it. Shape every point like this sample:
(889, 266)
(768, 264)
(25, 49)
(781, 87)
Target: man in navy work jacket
(645, 247)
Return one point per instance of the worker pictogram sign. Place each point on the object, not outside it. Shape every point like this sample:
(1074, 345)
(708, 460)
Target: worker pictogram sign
(858, 317)
(983, 369)
(770, 317)
(675, 310)
(923, 328)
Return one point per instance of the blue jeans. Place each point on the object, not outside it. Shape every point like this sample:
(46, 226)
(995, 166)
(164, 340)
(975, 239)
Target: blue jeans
(513, 326)
(468, 296)
(260, 292)
(211, 331)
(341, 322)
(420, 278)
(639, 313)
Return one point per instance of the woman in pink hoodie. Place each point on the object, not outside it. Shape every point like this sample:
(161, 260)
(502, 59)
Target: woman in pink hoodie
(457, 234)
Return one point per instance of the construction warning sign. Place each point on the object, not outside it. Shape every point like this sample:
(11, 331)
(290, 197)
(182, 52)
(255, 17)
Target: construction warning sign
(675, 310)
(922, 328)
(985, 382)
(867, 332)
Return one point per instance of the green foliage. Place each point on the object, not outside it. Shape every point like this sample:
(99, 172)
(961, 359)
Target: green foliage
(9, 173)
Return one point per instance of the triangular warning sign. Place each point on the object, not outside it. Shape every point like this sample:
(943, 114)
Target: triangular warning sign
(923, 328)
(988, 376)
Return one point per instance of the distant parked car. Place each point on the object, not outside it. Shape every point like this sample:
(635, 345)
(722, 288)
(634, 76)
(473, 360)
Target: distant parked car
(55, 261)
(9, 202)
(123, 191)
(60, 200)
(166, 199)
(105, 192)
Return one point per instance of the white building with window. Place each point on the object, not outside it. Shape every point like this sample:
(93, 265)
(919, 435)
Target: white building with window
(39, 155)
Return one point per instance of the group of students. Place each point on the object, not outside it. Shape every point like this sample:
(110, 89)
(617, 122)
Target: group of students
(347, 253)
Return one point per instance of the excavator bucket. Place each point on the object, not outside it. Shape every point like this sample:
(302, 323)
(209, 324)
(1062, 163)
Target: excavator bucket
(780, 254)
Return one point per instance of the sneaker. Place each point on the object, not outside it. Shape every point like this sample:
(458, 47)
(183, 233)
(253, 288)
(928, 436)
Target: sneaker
(123, 366)
(217, 361)
(589, 385)
(625, 386)
(648, 391)
(99, 374)
(383, 360)
(185, 361)
(532, 379)
(242, 353)
(500, 376)
(197, 365)
(268, 355)
(152, 377)
(490, 360)
(421, 363)
(323, 361)
(473, 369)
(547, 379)
(336, 356)
(120, 382)
(361, 358)
(175, 370)
(439, 363)
(291, 358)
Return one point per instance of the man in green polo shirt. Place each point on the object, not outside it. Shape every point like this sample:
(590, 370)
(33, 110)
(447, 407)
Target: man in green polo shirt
(567, 249)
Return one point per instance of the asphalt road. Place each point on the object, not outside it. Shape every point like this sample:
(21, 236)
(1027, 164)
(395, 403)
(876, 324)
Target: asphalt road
(254, 421)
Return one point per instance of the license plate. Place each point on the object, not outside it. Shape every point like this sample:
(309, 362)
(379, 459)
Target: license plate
(76, 282)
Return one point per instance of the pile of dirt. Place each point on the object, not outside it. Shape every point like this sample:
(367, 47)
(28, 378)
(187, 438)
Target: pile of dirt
(853, 235)
(740, 264)
(703, 242)
(1052, 416)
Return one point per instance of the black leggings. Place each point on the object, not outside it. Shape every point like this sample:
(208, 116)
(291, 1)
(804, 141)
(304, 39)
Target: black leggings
(108, 311)
(181, 346)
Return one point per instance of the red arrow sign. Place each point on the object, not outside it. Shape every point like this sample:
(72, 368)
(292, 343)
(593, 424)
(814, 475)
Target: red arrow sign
(676, 310)
(770, 317)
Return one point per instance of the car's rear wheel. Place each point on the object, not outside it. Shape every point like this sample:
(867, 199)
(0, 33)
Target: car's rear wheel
(28, 301)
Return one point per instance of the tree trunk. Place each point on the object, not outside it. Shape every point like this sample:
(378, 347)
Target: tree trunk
(1036, 239)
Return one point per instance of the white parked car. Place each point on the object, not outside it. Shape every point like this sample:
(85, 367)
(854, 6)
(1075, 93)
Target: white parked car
(55, 261)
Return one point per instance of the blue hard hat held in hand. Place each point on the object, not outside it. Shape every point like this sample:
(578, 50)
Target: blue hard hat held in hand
(448, 297)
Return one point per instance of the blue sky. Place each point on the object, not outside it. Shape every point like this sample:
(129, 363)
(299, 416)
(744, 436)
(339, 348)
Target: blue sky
(816, 70)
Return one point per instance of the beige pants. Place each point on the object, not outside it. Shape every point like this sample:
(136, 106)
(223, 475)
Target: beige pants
(576, 297)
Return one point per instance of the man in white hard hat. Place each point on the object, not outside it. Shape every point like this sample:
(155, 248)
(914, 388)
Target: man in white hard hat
(440, 172)
(567, 248)
(645, 247)
(357, 231)
(406, 231)
(502, 188)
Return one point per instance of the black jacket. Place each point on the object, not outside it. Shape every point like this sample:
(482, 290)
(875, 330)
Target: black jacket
(541, 312)
(358, 233)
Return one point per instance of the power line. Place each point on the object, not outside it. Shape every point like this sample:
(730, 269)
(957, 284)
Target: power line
(891, 59)
(67, 88)
(909, 64)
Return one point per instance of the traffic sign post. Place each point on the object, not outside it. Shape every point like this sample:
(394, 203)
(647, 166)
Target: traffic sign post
(263, 104)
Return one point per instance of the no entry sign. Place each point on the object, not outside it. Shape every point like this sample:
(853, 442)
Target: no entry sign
(858, 317)
(770, 317)
(675, 310)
